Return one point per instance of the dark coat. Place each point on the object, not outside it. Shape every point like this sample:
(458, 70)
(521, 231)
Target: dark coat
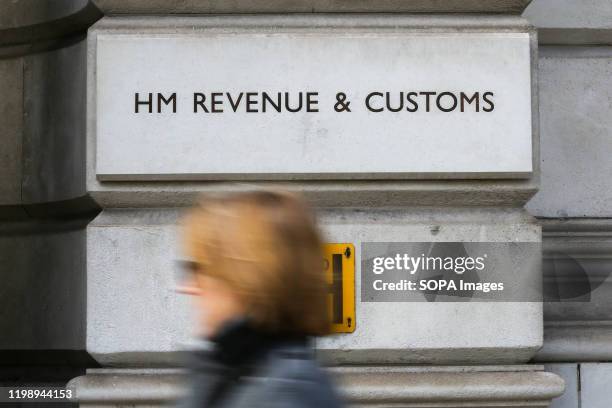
(249, 369)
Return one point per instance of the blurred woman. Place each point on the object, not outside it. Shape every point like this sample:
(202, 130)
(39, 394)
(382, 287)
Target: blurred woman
(256, 272)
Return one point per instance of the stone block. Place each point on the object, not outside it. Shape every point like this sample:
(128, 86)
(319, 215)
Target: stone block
(42, 296)
(435, 332)
(54, 133)
(577, 275)
(134, 316)
(130, 268)
(398, 192)
(11, 112)
(595, 380)
(575, 124)
(571, 22)
(277, 120)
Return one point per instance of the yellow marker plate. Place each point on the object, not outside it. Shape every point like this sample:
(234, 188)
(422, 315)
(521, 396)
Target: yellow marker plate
(340, 272)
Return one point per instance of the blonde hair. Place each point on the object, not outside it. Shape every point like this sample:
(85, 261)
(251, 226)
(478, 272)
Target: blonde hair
(266, 247)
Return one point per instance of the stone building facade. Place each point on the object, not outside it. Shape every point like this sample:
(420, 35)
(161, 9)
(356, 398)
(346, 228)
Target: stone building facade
(87, 247)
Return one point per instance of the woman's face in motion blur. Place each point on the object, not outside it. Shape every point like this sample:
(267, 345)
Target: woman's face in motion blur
(215, 301)
(255, 255)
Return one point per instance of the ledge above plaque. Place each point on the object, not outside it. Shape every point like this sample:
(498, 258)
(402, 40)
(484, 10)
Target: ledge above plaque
(312, 104)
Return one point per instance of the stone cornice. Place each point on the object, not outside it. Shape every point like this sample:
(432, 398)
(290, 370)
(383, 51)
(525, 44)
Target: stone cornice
(311, 6)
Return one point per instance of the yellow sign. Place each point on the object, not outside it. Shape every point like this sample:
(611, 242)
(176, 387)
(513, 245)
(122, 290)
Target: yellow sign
(340, 271)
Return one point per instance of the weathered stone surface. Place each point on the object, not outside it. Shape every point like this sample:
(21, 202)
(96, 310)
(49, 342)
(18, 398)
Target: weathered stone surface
(329, 193)
(42, 296)
(11, 112)
(595, 380)
(578, 270)
(29, 12)
(374, 386)
(25, 22)
(570, 374)
(576, 341)
(434, 332)
(146, 118)
(575, 125)
(310, 6)
(566, 22)
(449, 386)
(577, 274)
(130, 267)
(54, 132)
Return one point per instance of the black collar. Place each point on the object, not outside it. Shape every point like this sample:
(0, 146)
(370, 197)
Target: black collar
(239, 342)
